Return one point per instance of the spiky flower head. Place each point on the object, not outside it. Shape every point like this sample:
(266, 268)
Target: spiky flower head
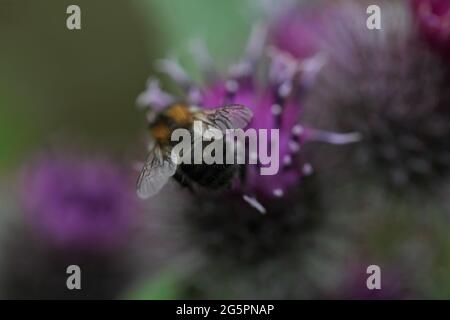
(85, 205)
(275, 100)
(296, 30)
(386, 85)
(224, 249)
(433, 17)
(238, 251)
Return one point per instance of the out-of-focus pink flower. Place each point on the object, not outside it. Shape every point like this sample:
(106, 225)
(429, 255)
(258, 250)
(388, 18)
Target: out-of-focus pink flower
(297, 31)
(433, 18)
(78, 204)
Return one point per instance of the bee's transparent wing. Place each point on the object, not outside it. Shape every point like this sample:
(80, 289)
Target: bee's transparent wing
(229, 117)
(154, 175)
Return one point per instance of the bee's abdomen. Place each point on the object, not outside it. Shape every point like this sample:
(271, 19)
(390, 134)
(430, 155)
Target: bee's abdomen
(214, 176)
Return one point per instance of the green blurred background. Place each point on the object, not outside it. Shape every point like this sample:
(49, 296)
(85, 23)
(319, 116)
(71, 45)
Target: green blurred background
(58, 85)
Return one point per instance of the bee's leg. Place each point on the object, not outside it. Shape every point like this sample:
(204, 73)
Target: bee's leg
(184, 181)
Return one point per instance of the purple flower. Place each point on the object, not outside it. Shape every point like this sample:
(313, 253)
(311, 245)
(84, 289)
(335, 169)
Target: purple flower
(433, 17)
(388, 86)
(296, 31)
(273, 108)
(275, 101)
(83, 205)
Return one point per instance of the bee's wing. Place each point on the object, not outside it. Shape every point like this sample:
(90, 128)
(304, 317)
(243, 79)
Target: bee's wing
(154, 175)
(229, 117)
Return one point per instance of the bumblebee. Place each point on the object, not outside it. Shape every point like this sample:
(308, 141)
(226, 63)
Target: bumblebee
(159, 166)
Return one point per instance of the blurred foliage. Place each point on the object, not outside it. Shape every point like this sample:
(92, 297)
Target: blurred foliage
(71, 85)
(224, 25)
(58, 85)
(166, 286)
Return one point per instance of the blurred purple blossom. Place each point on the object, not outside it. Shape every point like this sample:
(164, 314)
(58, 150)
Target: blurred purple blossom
(296, 31)
(388, 86)
(433, 17)
(77, 204)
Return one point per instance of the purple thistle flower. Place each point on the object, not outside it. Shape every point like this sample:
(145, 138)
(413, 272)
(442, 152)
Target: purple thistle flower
(388, 86)
(296, 31)
(265, 256)
(433, 17)
(81, 205)
(275, 102)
